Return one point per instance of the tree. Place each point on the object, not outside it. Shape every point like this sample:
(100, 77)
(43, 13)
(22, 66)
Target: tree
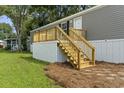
(2, 36)
(43, 15)
(26, 18)
(17, 14)
(5, 30)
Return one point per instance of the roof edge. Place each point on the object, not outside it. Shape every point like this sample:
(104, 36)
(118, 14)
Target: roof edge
(69, 17)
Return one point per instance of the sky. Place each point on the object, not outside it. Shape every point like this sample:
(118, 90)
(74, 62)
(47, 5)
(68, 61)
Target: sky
(5, 19)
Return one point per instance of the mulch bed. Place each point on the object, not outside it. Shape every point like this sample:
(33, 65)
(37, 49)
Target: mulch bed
(100, 76)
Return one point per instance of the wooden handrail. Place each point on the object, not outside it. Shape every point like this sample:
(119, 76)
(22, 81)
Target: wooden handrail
(68, 38)
(83, 39)
(75, 48)
(71, 40)
(76, 52)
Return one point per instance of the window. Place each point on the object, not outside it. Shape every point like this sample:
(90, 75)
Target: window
(64, 26)
(70, 23)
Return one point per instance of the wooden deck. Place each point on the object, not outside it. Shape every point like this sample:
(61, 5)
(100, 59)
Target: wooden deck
(79, 51)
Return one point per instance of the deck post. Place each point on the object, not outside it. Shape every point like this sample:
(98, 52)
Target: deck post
(46, 35)
(93, 56)
(39, 36)
(78, 60)
(55, 33)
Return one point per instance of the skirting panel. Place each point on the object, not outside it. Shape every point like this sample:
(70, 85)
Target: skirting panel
(48, 51)
(110, 50)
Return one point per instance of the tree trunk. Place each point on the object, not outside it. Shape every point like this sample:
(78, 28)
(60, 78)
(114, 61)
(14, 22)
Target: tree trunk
(18, 38)
(19, 43)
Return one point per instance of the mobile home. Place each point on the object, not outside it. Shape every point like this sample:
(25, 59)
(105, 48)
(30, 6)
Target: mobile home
(93, 34)
(11, 44)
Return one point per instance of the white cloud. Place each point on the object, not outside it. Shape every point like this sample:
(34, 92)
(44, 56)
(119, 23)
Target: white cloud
(5, 19)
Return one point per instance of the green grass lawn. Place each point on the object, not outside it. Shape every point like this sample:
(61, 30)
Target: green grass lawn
(22, 71)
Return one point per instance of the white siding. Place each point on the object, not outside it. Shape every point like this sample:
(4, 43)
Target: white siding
(31, 47)
(61, 57)
(110, 50)
(48, 51)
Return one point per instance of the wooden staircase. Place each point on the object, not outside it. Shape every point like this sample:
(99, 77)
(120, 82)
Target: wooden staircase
(71, 54)
(77, 55)
(79, 51)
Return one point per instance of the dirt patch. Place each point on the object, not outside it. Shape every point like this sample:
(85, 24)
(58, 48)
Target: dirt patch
(100, 76)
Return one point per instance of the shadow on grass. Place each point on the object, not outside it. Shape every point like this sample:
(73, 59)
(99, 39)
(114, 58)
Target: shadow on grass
(32, 60)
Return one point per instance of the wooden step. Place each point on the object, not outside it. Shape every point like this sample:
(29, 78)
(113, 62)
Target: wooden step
(85, 65)
(84, 62)
(63, 48)
(69, 51)
(69, 55)
(66, 51)
(68, 48)
(66, 45)
(73, 64)
(71, 58)
(86, 59)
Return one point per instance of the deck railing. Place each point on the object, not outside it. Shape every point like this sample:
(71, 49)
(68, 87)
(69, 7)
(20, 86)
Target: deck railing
(56, 33)
(65, 40)
(79, 46)
(45, 35)
(85, 46)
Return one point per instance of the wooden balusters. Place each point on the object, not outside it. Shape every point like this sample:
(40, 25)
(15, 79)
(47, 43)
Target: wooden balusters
(45, 35)
(77, 47)
(86, 47)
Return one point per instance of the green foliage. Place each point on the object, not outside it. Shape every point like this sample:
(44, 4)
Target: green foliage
(8, 47)
(5, 31)
(18, 14)
(20, 70)
(2, 36)
(27, 18)
(42, 15)
(5, 27)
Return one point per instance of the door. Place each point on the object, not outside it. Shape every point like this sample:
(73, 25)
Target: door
(78, 23)
(65, 27)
